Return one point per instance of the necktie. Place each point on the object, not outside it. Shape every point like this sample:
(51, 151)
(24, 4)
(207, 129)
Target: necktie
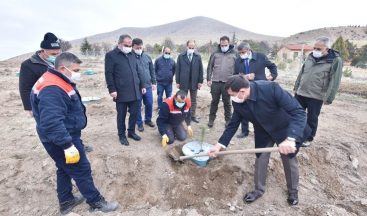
(247, 67)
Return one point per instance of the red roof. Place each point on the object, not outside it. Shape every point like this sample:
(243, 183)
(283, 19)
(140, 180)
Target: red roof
(299, 47)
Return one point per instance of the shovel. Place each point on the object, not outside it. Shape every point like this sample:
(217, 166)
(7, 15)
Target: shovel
(244, 151)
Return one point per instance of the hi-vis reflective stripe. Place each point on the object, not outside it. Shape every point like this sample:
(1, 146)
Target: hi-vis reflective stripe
(172, 109)
(49, 79)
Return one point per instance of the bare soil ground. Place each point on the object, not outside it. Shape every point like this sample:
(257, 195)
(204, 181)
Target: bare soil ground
(144, 181)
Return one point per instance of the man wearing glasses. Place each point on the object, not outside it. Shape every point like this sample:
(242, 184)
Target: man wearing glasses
(164, 71)
(125, 83)
(318, 82)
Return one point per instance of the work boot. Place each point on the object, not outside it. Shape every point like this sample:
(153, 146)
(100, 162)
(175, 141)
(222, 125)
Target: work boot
(292, 198)
(134, 136)
(68, 206)
(103, 206)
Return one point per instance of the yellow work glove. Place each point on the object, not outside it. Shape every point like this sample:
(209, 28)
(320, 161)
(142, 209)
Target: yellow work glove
(190, 131)
(71, 155)
(165, 140)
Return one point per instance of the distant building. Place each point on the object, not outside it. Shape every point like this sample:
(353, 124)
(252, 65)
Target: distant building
(294, 51)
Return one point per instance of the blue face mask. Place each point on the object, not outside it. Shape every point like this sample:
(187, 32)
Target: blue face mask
(180, 104)
(166, 56)
(51, 59)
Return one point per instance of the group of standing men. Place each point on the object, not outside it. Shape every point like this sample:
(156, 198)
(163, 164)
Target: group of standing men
(47, 85)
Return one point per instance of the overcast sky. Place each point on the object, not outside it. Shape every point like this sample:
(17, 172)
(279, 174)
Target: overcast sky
(24, 22)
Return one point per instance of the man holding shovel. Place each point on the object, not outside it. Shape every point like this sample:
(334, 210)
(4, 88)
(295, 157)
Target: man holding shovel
(277, 118)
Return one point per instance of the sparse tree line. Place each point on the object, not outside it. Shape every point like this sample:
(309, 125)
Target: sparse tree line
(348, 50)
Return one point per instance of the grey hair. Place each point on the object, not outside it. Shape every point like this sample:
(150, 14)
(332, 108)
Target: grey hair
(66, 59)
(325, 40)
(122, 38)
(243, 45)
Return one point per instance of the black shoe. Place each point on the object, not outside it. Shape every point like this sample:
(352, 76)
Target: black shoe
(134, 136)
(103, 206)
(227, 123)
(88, 148)
(150, 124)
(68, 206)
(251, 196)
(194, 119)
(141, 128)
(210, 124)
(124, 141)
(292, 199)
(242, 135)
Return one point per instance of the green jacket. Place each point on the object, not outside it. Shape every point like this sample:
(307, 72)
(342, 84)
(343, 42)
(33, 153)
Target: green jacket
(221, 65)
(320, 79)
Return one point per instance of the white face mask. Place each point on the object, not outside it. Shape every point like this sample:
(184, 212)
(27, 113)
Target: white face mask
(236, 99)
(317, 54)
(190, 51)
(75, 76)
(244, 56)
(224, 49)
(138, 51)
(126, 50)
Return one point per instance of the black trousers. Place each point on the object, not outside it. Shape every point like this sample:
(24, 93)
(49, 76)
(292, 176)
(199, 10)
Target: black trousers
(313, 108)
(217, 90)
(122, 108)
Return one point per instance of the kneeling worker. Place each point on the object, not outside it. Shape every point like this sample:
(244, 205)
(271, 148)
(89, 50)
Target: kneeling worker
(173, 112)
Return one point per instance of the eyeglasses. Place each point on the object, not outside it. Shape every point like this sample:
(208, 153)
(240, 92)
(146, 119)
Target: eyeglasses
(167, 53)
(318, 49)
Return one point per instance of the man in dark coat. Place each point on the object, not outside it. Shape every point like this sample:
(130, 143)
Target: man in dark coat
(252, 65)
(189, 74)
(125, 83)
(165, 68)
(60, 117)
(277, 118)
(33, 68)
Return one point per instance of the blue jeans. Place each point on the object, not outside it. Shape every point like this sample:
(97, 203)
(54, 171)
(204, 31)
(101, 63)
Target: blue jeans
(147, 99)
(81, 173)
(163, 88)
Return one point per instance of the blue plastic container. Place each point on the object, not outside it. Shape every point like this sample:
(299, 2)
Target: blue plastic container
(195, 147)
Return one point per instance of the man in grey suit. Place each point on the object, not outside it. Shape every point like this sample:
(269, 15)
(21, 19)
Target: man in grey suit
(189, 74)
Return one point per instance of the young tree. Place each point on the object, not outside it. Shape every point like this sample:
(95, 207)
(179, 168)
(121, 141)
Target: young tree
(96, 49)
(157, 49)
(106, 47)
(65, 45)
(168, 43)
(85, 47)
(341, 47)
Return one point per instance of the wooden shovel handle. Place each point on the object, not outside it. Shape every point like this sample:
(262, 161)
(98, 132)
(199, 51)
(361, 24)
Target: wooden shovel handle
(244, 151)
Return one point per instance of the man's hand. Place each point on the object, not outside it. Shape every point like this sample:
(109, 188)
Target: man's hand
(143, 90)
(165, 140)
(250, 76)
(113, 95)
(71, 155)
(214, 150)
(287, 147)
(154, 87)
(200, 85)
(209, 83)
(269, 77)
(178, 86)
(190, 131)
